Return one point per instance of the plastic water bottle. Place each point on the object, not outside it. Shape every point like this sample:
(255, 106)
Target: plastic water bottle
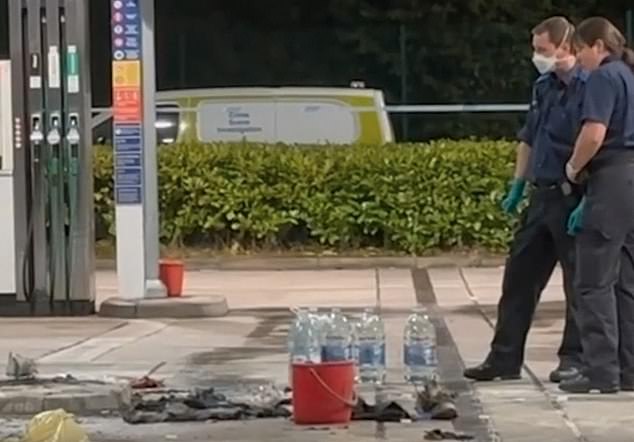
(354, 346)
(319, 320)
(336, 338)
(303, 339)
(292, 330)
(370, 337)
(419, 348)
(290, 342)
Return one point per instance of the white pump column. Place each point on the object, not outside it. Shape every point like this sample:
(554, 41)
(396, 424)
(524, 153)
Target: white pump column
(7, 219)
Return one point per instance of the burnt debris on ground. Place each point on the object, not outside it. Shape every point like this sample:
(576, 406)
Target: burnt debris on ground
(169, 405)
(253, 401)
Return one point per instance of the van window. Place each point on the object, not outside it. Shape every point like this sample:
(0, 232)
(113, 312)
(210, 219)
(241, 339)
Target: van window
(167, 125)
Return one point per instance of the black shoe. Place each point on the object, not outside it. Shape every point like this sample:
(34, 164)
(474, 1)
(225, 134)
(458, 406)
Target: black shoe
(583, 385)
(489, 372)
(562, 373)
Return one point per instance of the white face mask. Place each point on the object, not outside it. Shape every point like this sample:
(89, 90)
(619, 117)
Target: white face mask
(544, 64)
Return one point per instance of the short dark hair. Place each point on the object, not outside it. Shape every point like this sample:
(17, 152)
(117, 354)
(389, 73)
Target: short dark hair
(559, 29)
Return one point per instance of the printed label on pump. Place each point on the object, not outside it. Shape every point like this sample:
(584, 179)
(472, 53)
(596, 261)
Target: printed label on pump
(127, 144)
(127, 105)
(129, 176)
(128, 195)
(72, 65)
(35, 76)
(127, 160)
(35, 82)
(127, 101)
(126, 74)
(54, 80)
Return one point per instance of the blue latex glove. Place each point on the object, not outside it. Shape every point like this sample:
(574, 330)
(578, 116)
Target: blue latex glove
(576, 218)
(515, 196)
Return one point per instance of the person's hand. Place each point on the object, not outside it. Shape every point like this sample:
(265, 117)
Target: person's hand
(515, 196)
(575, 220)
(572, 173)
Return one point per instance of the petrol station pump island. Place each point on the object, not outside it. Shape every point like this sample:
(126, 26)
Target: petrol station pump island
(46, 179)
(47, 262)
(406, 359)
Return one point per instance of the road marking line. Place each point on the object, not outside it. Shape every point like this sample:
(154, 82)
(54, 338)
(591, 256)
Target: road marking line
(93, 348)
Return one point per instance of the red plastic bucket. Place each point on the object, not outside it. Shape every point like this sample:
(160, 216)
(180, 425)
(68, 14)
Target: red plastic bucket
(172, 274)
(323, 393)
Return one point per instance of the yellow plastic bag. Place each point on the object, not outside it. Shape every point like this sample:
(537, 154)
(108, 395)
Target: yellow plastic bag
(54, 426)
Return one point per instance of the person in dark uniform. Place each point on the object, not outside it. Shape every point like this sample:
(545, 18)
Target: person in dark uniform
(542, 238)
(604, 152)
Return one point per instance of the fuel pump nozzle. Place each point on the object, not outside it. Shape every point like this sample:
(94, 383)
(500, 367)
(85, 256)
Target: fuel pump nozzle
(72, 135)
(37, 136)
(54, 134)
(73, 138)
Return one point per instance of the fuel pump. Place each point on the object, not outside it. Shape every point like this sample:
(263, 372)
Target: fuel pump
(52, 159)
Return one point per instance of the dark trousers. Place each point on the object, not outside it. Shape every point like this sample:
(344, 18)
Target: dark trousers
(605, 278)
(540, 242)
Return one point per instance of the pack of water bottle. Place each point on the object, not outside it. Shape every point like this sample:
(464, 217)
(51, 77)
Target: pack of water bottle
(316, 336)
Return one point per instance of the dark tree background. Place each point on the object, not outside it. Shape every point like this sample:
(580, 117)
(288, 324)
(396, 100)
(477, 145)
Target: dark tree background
(416, 51)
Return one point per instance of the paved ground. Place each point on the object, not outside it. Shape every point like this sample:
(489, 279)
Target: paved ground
(250, 344)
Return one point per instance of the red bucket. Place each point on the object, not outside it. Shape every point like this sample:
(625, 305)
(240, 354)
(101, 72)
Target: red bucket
(323, 393)
(172, 274)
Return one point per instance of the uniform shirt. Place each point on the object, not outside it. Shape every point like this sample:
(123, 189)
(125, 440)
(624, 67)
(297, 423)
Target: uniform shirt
(609, 99)
(552, 123)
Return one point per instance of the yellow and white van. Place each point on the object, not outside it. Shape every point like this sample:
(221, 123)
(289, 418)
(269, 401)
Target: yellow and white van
(292, 115)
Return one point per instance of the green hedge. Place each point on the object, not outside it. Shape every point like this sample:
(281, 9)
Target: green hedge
(408, 198)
